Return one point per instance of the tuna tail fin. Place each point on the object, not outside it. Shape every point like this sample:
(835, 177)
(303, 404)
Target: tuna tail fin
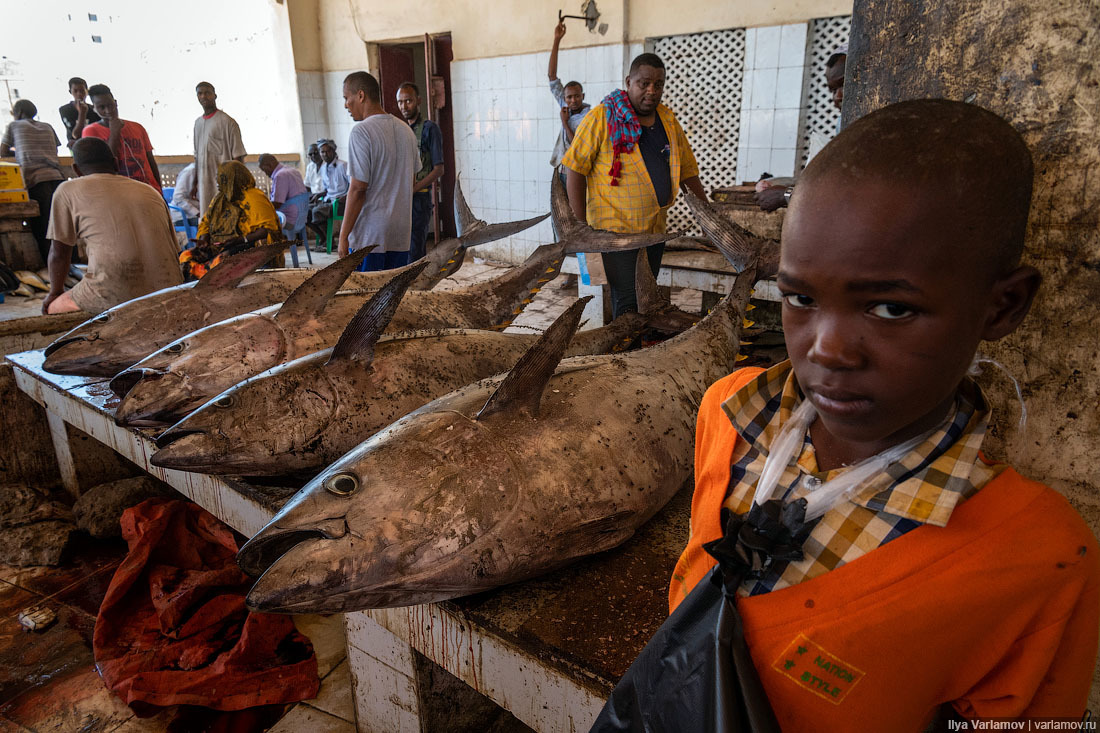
(577, 236)
(523, 387)
(311, 297)
(229, 272)
(740, 247)
(465, 219)
(659, 312)
(361, 334)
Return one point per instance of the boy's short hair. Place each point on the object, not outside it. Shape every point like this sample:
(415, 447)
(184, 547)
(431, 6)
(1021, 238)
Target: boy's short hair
(361, 81)
(576, 84)
(99, 90)
(409, 85)
(975, 160)
(205, 84)
(77, 80)
(25, 107)
(646, 59)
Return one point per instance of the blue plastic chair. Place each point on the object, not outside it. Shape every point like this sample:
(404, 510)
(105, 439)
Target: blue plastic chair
(191, 231)
(298, 233)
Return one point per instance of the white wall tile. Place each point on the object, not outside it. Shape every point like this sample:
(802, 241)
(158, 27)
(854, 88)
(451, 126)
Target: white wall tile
(767, 47)
(792, 44)
(785, 128)
(763, 88)
(782, 163)
(757, 161)
(788, 87)
(750, 48)
(760, 128)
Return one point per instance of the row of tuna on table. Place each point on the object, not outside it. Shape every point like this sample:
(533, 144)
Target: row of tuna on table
(445, 457)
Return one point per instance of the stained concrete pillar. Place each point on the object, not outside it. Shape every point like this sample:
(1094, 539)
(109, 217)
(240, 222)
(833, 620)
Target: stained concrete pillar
(1037, 64)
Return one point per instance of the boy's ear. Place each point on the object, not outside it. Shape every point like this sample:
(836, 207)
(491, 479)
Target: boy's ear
(1010, 301)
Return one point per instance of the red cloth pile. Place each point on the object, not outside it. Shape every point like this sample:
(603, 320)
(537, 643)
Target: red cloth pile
(173, 628)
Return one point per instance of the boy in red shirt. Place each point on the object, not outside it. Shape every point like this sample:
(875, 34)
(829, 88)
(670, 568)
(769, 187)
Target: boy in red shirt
(128, 140)
(942, 583)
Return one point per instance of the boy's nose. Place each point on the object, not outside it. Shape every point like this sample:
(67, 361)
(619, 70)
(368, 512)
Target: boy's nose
(835, 346)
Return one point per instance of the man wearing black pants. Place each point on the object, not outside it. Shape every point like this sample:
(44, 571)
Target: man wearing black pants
(430, 139)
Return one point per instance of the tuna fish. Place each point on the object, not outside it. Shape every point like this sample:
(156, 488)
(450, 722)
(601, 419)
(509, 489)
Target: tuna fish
(315, 409)
(162, 388)
(124, 335)
(504, 479)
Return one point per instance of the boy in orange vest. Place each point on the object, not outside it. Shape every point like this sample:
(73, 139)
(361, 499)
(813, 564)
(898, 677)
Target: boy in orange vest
(943, 579)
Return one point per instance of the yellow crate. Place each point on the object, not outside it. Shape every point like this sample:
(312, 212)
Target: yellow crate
(13, 195)
(11, 176)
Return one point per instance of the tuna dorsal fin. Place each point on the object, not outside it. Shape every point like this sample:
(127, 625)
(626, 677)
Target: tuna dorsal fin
(523, 387)
(311, 297)
(559, 205)
(358, 339)
(645, 286)
(229, 272)
(467, 222)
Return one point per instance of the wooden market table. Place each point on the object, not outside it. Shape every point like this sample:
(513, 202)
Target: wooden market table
(548, 650)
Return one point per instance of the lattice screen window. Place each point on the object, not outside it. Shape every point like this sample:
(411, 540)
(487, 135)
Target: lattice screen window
(820, 114)
(704, 72)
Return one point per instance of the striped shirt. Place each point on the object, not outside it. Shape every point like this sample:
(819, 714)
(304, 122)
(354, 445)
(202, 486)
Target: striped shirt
(923, 488)
(632, 205)
(35, 146)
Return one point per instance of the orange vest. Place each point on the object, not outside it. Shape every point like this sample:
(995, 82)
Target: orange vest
(998, 612)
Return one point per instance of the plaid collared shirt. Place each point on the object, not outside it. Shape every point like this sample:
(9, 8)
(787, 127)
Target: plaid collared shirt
(923, 488)
(630, 206)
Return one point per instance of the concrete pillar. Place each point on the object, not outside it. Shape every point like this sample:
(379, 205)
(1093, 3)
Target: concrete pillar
(1034, 62)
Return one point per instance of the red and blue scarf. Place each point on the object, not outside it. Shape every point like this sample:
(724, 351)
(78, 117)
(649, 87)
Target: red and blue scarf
(622, 127)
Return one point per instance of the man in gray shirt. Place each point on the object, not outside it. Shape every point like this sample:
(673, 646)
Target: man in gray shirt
(383, 156)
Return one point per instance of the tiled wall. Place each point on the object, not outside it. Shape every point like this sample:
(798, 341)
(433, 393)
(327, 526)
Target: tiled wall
(506, 122)
(320, 94)
(771, 100)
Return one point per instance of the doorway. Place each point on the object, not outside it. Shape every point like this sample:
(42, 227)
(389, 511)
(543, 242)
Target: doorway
(426, 63)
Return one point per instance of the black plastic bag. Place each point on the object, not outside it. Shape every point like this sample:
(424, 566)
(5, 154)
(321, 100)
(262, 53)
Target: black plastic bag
(696, 673)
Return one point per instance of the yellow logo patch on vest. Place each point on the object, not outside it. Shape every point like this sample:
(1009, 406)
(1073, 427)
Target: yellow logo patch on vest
(816, 670)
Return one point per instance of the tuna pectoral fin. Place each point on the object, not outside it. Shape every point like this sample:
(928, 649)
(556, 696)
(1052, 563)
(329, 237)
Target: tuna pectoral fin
(358, 339)
(740, 247)
(229, 272)
(311, 297)
(600, 534)
(523, 387)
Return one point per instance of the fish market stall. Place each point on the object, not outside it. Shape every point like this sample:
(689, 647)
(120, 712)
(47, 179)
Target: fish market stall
(548, 650)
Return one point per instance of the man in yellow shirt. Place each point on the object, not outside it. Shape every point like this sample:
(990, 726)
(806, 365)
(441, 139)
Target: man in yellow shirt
(627, 159)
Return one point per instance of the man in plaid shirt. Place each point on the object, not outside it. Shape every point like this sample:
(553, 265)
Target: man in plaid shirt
(624, 166)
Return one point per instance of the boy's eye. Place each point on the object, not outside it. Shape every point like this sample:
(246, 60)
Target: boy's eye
(891, 311)
(797, 300)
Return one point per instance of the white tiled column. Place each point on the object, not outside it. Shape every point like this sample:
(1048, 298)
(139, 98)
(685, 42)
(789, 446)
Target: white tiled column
(314, 106)
(506, 122)
(775, 66)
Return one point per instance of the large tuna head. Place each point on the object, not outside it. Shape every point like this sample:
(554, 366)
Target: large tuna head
(165, 386)
(278, 413)
(408, 517)
(428, 509)
(124, 335)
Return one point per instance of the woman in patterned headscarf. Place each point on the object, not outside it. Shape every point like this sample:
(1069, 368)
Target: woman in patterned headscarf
(239, 217)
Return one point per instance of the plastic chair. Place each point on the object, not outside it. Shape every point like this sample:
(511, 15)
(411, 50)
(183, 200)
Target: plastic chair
(333, 218)
(298, 233)
(190, 231)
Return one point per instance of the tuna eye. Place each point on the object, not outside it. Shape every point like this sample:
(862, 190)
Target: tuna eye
(102, 319)
(174, 349)
(342, 484)
(226, 401)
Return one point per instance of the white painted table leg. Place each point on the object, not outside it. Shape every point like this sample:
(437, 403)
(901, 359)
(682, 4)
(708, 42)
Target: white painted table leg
(383, 676)
(63, 450)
